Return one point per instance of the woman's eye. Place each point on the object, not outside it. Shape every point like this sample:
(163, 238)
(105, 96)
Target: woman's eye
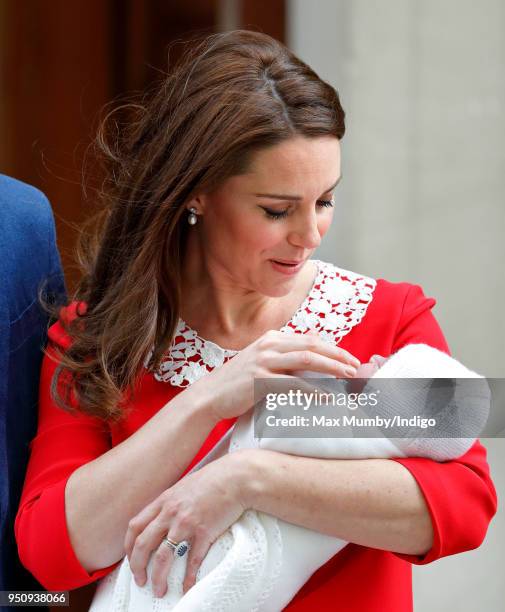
(272, 214)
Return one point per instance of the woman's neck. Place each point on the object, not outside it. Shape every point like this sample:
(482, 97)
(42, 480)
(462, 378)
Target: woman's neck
(211, 301)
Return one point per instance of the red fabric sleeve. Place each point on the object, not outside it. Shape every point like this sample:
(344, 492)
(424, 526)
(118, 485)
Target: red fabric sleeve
(63, 443)
(417, 323)
(460, 494)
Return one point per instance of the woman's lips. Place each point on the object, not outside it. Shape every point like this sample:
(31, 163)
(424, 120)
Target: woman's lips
(286, 268)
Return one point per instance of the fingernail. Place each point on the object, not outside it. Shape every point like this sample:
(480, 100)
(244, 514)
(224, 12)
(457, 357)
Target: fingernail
(350, 371)
(355, 362)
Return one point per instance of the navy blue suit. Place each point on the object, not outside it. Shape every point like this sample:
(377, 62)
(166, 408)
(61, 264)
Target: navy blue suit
(28, 257)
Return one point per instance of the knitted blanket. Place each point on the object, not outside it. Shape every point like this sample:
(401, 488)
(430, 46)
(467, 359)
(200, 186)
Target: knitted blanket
(260, 562)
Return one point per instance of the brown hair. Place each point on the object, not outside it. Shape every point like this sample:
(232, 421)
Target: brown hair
(230, 95)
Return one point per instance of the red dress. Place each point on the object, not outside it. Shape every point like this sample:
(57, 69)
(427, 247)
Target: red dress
(460, 494)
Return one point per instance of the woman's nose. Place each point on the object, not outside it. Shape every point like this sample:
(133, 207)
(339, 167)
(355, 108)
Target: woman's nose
(307, 234)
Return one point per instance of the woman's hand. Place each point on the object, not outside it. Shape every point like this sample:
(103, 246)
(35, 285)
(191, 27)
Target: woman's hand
(229, 388)
(198, 508)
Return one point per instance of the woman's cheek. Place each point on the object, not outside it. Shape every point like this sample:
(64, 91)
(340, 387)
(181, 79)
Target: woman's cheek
(269, 234)
(325, 223)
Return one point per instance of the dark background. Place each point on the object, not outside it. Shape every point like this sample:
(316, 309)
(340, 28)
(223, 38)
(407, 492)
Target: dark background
(61, 61)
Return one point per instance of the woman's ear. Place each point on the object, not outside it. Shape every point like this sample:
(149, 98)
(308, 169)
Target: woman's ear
(198, 203)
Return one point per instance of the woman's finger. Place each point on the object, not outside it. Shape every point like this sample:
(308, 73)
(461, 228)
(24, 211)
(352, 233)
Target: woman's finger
(147, 542)
(284, 383)
(138, 523)
(307, 360)
(196, 555)
(285, 342)
(162, 562)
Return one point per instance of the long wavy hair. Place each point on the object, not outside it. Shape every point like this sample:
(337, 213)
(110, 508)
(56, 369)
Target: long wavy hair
(230, 95)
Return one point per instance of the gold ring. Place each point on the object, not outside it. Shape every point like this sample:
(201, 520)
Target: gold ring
(170, 542)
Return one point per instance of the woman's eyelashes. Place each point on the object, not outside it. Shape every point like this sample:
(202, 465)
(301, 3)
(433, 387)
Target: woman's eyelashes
(272, 214)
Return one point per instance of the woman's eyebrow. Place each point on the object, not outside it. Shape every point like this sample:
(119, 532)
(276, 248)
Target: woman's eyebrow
(278, 196)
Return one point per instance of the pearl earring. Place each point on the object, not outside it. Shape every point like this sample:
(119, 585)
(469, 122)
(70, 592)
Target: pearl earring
(192, 218)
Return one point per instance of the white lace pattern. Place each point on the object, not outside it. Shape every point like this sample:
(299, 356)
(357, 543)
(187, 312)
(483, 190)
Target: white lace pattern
(337, 302)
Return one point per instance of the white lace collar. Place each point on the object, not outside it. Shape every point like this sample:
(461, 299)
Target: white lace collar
(336, 303)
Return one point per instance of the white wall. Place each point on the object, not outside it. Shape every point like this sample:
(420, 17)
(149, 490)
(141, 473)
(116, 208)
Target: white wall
(422, 198)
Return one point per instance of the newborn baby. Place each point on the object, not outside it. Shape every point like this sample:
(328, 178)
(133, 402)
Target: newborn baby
(260, 562)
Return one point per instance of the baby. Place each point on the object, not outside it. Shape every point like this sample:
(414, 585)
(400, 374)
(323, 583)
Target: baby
(260, 562)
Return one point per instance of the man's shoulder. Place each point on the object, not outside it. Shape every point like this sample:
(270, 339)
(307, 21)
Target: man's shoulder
(17, 197)
(25, 213)
(28, 251)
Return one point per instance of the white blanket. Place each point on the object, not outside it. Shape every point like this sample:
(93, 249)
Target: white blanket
(260, 562)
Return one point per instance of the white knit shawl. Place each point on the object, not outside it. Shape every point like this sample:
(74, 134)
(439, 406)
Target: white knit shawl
(261, 562)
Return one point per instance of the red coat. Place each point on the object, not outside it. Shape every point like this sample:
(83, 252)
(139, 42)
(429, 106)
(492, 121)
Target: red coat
(460, 494)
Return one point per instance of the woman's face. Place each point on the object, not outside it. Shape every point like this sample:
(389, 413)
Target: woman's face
(244, 228)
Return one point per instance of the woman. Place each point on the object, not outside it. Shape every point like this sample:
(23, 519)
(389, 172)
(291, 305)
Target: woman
(219, 192)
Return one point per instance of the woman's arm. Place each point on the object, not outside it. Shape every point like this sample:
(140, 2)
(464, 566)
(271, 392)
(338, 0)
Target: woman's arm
(371, 502)
(422, 512)
(79, 493)
(103, 495)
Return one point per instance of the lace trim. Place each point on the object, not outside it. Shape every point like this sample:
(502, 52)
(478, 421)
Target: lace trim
(337, 302)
